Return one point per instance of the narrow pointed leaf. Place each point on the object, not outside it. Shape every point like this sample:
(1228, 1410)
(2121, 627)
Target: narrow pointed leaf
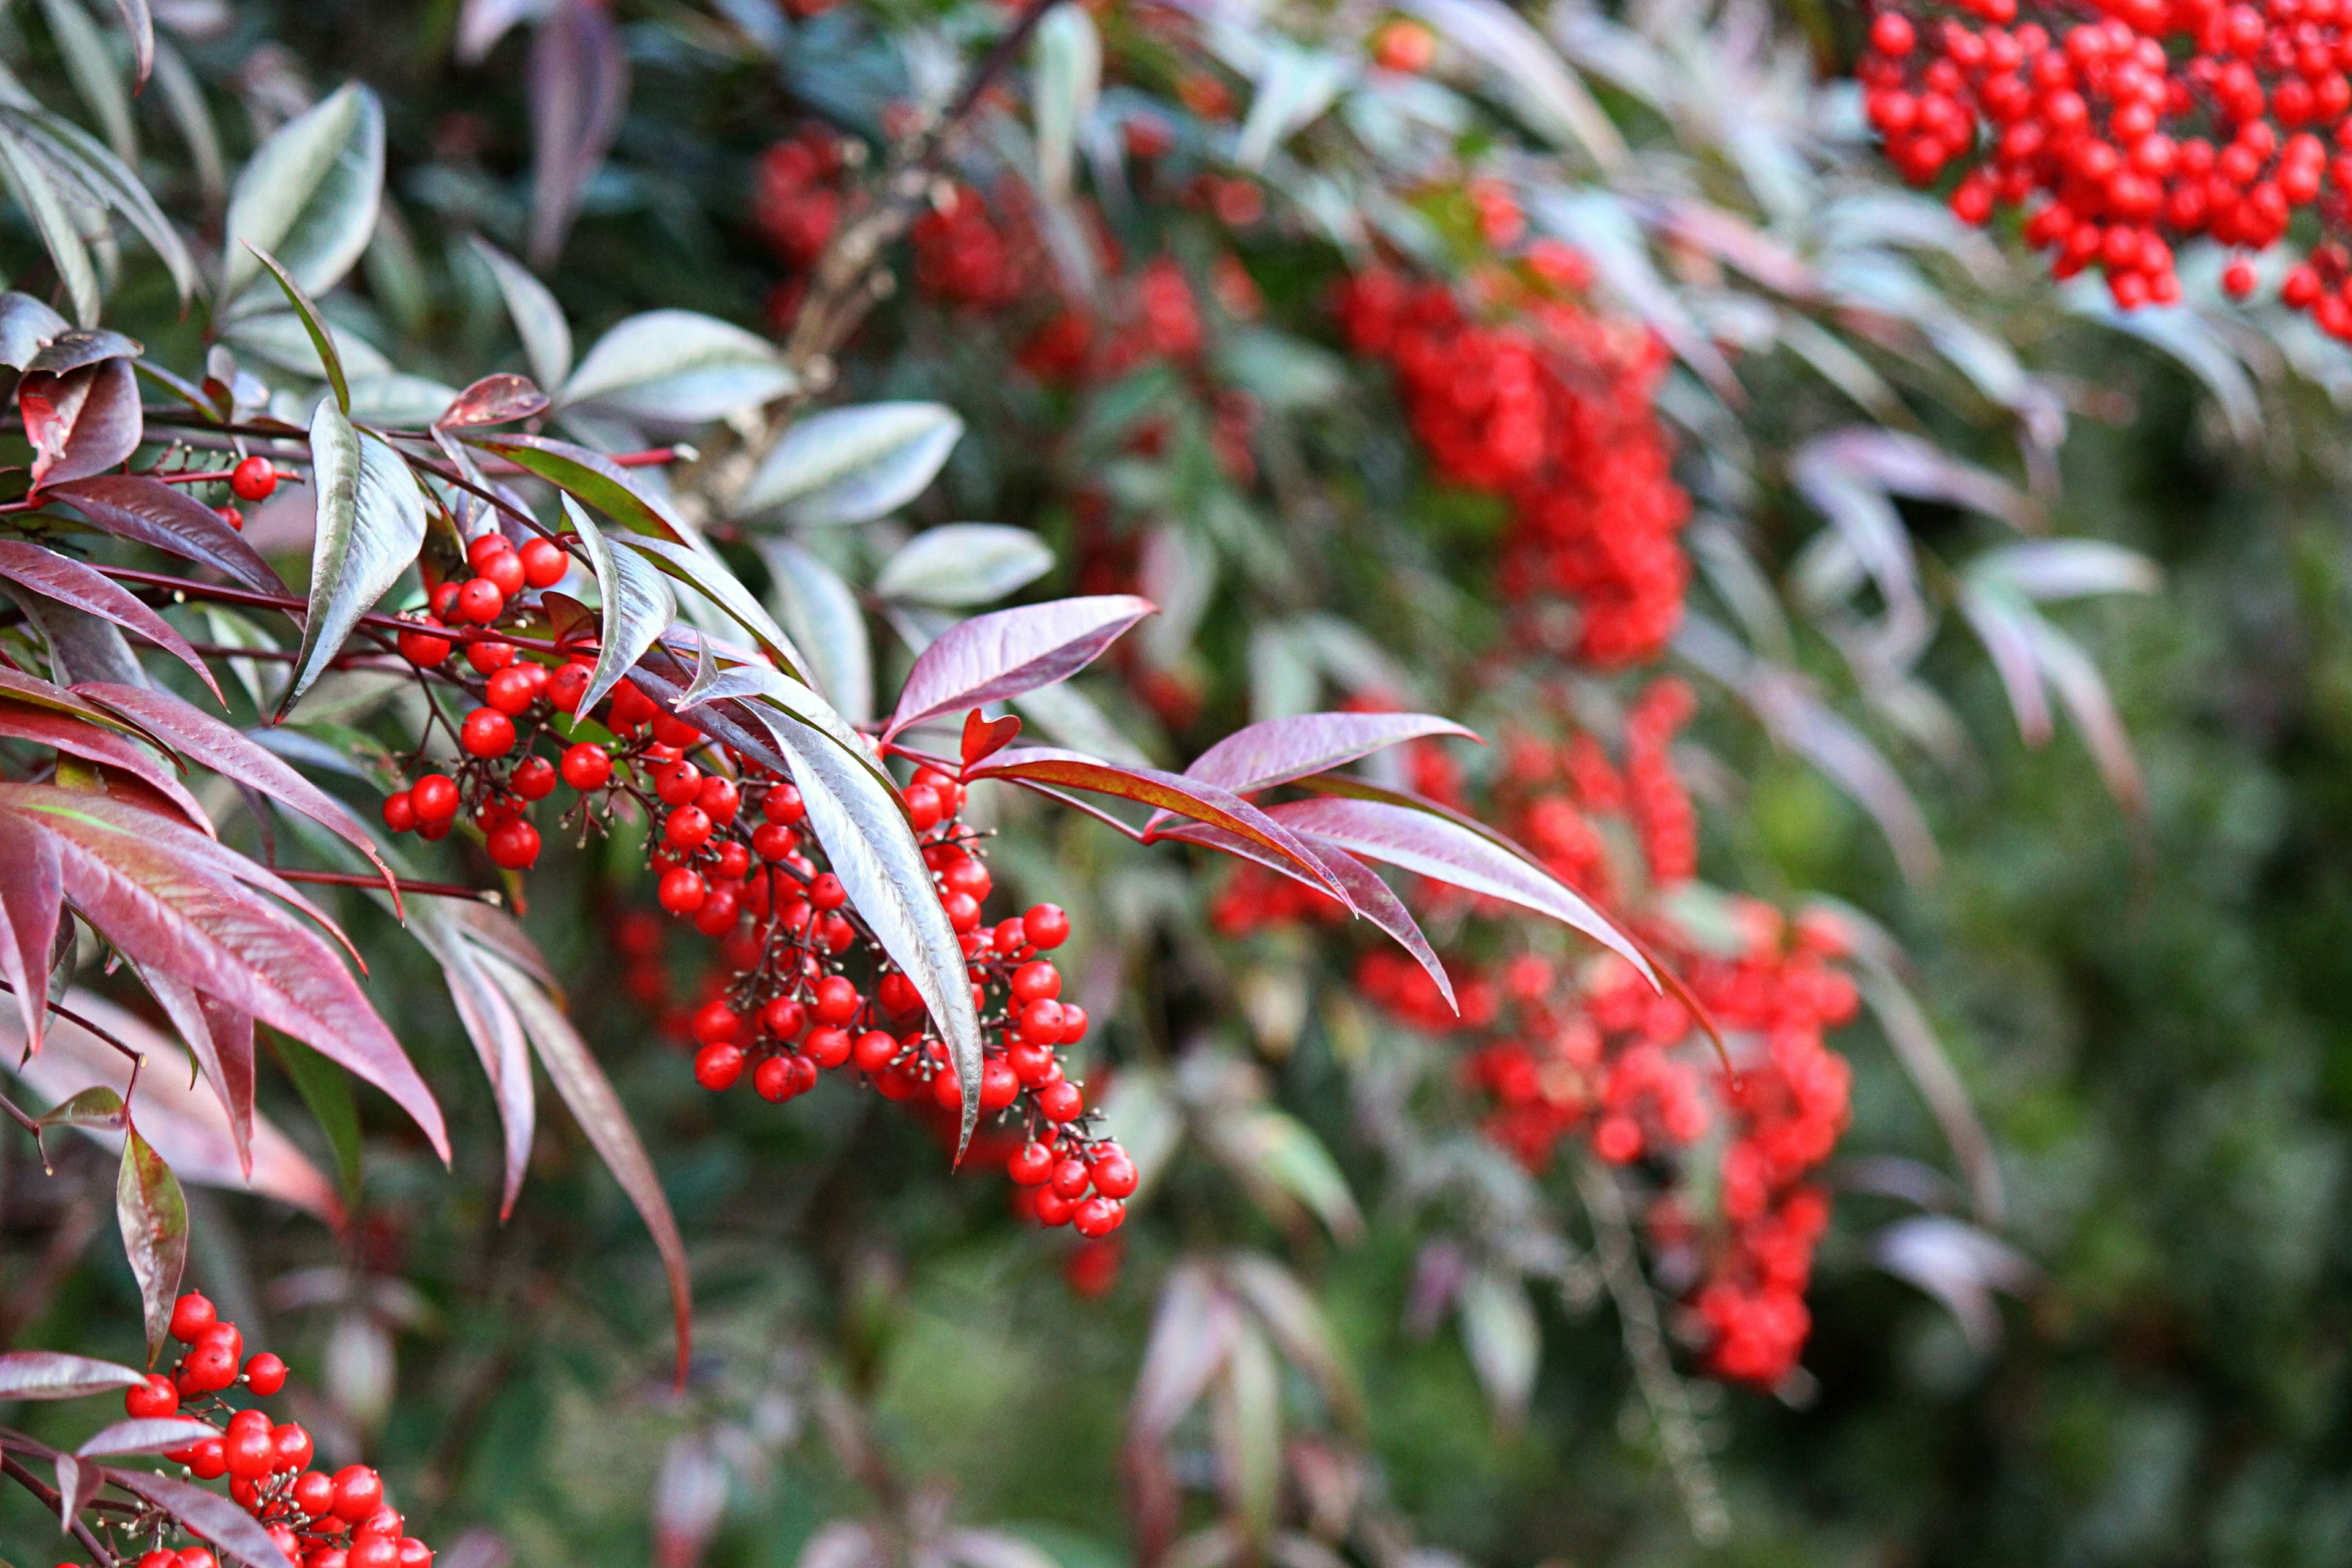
(443, 927)
(93, 1108)
(579, 80)
(148, 511)
(678, 367)
(36, 192)
(77, 1484)
(537, 319)
(222, 1042)
(585, 1089)
(153, 1214)
(990, 658)
(67, 580)
(851, 465)
(81, 421)
(498, 399)
(371, 526)
(700, 567)
(770, 694)
(636, 606)
(961, 564)
(150, 1435)
(593, 479)
(1281, 750)
(1442, 851)
(823, 614)
(234, 755)
(32, 894)
(228, 1528)
(53, 1374)
(322, 340)
(96, 743)
(308, 197)
(139, 23)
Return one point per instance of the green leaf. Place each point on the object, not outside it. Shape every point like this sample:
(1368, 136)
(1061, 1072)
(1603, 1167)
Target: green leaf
(322, 340)
(90, 64)
(371, 526)
(38, 193)
(153, 1214)
(700, 567)
(537, 319)
(823, 614)
(851, 465)
(308, 197)
(678, 367)
(961, 563)
(590, 479)
(636, 605)
(1067, 60)
(100, 1109)
(105, 180)
(1247, 1430)
(1498, 1330)
(325, 1088)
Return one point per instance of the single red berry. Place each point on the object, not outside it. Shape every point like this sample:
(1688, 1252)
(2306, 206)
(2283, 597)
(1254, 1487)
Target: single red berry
(567, 685)
(1036, 980)
(1113, 1173)
(359, 1492)
(719, 797)
(672, 731)
(231, 516)
(837, 1000)
(1008, 936)
(511, 690)
(999, 1086)
(784, 805)
(923, 807)
(210, 1367)
(716, 1022)
(587, 766)
(689, 829)
(1034, 1065)
(717, 914)
(399, 813)
(1070, 1178)
(292, 1444)
(513, 846)
(543, 563)
(773, 1079)
(874, 1050)
(828, 1045)
(1053, 1208)
(248, 1421)
(210, 1461)
(679, 784)
(897, 994)
(314, 1492)
(480, 602)
(1061, 1101)
(967, 874)
(414, 1553)
(254, 479)
(163, 1556)
(2238, 280)
(192, 1314)
(443, 601)
(1891, 34)
(249, 1452)
(487, 732)
(773, 841)
(485, 548)
(489, 655)
(1046, 926)
(1098, 1216)
(734, 861)
(152, 1399)
(503, 571)
(784, 1018)
(534, 778)
(1041, 1022)
(1405, 46)
(718, 1065)
(682, 892)
(434, 797)
(264, 1373)
(424, 650)
(963, 912)
(826, 891)
(1031, 1165)
(372, 1552)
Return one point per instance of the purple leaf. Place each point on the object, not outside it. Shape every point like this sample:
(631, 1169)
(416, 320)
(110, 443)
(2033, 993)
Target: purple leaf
(1373, 898)
(448, 930)
(234, 755)
(497, 399)
(184, 1121)
(153, 1435)
(1174, 793)
(76, 1485)
(228, 1527)
(1446, 852)
(153, 1214)
(92, 742)
(32, 897)
(67, 580)
(53, 1374)
(148, 511)
(139, 23)
(171, 900)
(1281, 750)
(221, 1039)
(579, 87)
(83, 422)
(990, 658)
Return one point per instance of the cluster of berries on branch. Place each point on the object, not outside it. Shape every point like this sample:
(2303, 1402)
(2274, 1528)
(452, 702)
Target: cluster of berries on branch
(318, 1519)
(2126, 136)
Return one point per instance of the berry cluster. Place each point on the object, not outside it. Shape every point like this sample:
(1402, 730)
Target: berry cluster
(2157, 122)
(963, 258)
(1550, 407)
(499, 776)
(316, 1519)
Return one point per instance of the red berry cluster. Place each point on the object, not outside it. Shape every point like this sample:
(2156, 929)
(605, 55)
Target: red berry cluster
(2159, 122)
(963, 256)
(498, 777)
(1550, 407)
(316, 1520)
(253, 480)
(796, 204)
(1156, 316)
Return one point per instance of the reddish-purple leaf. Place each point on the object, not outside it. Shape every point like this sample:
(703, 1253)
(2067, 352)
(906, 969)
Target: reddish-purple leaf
(1281, 750)
(148, 511)
(579, 88)
(1373, 898)
(992, 657)
(82, 423)
(1169, 792)
(152, 1435)
(221, 1039)
(171, 899)
(234, 755)
(32, 897)
(77, 1484)
(498, 399)
(184, 1121)
(53, 1374)
(449, 929)
(92, 742)
(153, 1214)
(1446, 852)
(228, 1527)
(67, 580)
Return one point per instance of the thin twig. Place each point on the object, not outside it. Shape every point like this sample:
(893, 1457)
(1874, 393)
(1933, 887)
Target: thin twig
(48, 1498)
(292, 605)
(361, 879)
(137, 1059)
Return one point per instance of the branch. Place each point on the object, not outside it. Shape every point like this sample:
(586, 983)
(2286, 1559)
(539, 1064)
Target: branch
(226, 594)
(357, 880)
(48, 1498)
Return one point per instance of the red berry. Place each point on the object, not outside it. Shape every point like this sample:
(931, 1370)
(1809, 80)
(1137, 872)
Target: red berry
(264, 1373)
(1041, 1023)
(734, 861)
(210, 1367)
(715, 1022)
(511, 690)
(967, 874)
(874, 1050)
(717, 1066)
(487, 732)
(682, 892)
(784, 1018)
(1036, 980)
(837, 1000)
(998, 1086)
(254, 479)
(1070, 1178)
(826, 891)
(359, 1492)
(249, 1452)
(480, 602)
(373, 1551)
(292, 1446)
(152, 1399)
(679, 784)
(1053, 1208)
(773, 1079)
(828, 1045)
(1034, 1065)
(1098, 1216)
(231, 516)
(314, 1492)
(587, 765)
(399, 813)
(672, 731)
(485, 548)
(1113, 1173)
(443, 600)
(434, 797)
(1074, 1023)
(504, 572)
(1061, 1101)
(513, 846)
(1405, 46)
(534, 778)
(424, 650)
(1046, 926)
(1031, 1165)
(963, 912)
(923, 808)
(1891, 34)
(773, 841)
(719, 797)
(544, 563)
(489, 655)
(718, 912)
(567, 685)
(192, 1314)
(784, 805)
(689, 829)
